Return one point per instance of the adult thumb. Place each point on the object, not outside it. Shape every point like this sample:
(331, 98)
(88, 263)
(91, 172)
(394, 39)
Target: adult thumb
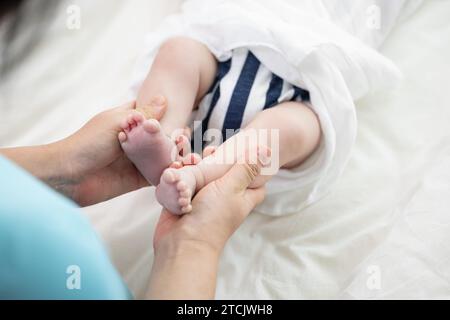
(156, 109)
(242, 174)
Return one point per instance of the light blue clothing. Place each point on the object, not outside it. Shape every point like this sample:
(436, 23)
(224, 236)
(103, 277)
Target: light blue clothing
(47, 247)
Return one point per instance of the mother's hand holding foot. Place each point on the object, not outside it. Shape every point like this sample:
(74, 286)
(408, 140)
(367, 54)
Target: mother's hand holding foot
(90, 167)
(188, 248)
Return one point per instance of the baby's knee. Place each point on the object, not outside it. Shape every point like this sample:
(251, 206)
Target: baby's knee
(177, 49)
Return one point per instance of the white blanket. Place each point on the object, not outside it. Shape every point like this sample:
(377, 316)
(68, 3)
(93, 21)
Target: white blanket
(310, 44)
(387, 213)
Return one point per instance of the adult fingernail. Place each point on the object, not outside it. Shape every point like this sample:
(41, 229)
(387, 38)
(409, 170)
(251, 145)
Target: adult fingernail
(159, 101)
(157, 110)
(265, 156)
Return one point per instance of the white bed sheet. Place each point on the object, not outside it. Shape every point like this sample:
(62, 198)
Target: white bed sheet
(388, 213)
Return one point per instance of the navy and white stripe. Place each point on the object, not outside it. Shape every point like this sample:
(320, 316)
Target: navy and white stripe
(243, 88)
(224, 69)
(274, 92)
(241, 94)
(209, 103)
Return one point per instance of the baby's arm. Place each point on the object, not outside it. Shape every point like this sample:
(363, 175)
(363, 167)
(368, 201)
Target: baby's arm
(299, 135)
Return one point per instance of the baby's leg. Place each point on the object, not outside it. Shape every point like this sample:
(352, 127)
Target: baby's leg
(299, 135)
(183, 71)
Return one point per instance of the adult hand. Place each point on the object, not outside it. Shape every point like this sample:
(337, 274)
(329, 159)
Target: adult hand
(99, 168)
(187, 248)
(89, 166)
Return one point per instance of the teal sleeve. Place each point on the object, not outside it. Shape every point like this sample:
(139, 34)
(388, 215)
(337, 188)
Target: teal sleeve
(48, 249)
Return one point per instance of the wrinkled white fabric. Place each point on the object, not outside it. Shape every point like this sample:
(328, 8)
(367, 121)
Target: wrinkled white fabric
(309, 44)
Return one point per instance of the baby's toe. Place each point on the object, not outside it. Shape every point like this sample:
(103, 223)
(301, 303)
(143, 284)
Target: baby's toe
(152, 126)
(122, 137)
(186, 193)
(182, 186)
(176, 165)
(210, 150)
(184, 202)
(131, 122)
(183, 145)
(125, 125)
(186, 209)
(138, 117)
(181, 140)
(170, 176)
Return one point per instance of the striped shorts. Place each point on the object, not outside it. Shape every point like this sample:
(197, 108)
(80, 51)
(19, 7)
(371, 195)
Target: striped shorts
(243, 88)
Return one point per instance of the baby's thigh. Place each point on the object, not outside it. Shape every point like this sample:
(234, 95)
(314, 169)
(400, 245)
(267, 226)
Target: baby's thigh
(293, 120)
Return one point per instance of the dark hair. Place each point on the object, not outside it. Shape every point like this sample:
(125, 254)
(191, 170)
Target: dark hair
(9, 6)
(16, 14)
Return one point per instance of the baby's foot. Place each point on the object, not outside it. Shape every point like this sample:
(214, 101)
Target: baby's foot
(147, 146)
(176, 189)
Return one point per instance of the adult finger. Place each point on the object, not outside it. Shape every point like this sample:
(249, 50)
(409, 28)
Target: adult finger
(156, 109)
(242, 174)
